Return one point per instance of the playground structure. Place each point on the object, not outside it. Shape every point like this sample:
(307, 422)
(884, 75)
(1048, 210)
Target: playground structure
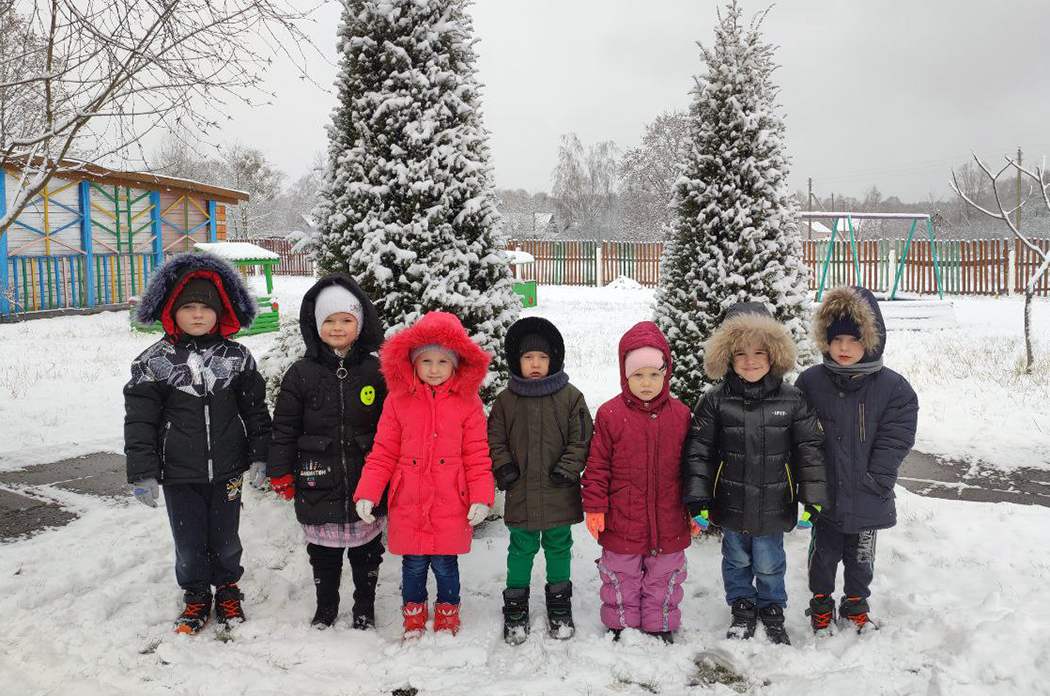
(911, 312)
(526, 288)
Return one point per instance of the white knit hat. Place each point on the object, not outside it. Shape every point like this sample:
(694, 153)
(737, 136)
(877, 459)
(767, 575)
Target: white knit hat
(334, 299)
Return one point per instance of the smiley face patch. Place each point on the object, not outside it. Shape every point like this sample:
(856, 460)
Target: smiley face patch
(368, 395)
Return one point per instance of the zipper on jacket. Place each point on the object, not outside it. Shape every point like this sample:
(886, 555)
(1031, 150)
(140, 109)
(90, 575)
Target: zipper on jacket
(164, 443)
(791, 486)
(207, 434)
(341, 376)
(862, 429)
(714, 488)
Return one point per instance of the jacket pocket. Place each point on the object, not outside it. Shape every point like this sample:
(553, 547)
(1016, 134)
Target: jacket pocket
(718, 474)
(791, 484)
(873, 484)
(315, 471)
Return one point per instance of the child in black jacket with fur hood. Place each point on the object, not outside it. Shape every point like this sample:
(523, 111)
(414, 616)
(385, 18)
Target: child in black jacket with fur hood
(754, 452)
(195, 419)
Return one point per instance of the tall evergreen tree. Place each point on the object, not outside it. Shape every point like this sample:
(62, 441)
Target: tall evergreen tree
(408, 204)
(734, 234)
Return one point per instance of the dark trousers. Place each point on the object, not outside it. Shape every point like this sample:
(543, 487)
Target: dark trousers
(828, 547)
(414, 578)
(205, 519)
(327, 563)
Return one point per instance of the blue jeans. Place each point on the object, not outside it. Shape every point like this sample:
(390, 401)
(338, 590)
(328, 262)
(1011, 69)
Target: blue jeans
(753, 568)
(414, 578)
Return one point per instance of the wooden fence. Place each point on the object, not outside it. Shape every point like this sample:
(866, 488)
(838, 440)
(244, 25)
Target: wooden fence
(298, 264)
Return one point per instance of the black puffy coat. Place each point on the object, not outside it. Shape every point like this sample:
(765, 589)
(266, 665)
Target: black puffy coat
(195, 408)
(325, 420)
(869, 420)
(755, 451)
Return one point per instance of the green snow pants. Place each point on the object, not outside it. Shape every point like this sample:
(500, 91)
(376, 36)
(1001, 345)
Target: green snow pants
(524, 544)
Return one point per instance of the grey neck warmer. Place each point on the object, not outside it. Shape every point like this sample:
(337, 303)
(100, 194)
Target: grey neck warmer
(861, 368)
(544, 386)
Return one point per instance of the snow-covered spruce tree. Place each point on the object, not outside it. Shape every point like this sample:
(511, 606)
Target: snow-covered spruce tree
(408, 205)
(733, 233)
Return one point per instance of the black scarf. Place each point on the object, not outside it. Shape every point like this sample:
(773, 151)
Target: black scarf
(544, 386)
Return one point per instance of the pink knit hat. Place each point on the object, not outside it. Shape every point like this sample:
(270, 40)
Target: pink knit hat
(646, 356)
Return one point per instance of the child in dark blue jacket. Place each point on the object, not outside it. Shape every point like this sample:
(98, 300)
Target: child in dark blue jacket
(869, 414)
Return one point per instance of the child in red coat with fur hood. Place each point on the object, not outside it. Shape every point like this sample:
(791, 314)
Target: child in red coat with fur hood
(431, 447)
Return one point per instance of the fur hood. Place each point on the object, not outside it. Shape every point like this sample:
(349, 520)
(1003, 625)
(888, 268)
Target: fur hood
(371, 336)
(859, 305)
(533, 325)
(239, 305)
(435, 327)
(749, 322)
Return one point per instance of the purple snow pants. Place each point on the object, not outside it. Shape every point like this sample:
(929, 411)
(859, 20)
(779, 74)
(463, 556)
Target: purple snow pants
(642, 591)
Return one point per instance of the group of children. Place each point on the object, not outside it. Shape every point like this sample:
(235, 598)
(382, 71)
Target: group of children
(401, 444)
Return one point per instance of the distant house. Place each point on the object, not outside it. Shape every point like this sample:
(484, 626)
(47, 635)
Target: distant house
(823, 231)
(530, 225)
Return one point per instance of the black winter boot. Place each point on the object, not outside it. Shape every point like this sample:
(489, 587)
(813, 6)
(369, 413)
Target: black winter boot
(745, 619)
(665, 636)
(559, 610)
(326, 584)
(773, 619)
(194, 616)
(854, 610)
(228, 604)
(515, 615)
(365, 580)
(821, 613)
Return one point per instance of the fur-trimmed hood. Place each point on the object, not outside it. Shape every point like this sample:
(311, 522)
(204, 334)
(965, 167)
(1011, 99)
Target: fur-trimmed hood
(860, 305)
(371, 335)
(534, 325)
(445, 330)
(239, 305)
(749, 322)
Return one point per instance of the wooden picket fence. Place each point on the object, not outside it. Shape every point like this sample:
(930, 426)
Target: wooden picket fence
(297, 264)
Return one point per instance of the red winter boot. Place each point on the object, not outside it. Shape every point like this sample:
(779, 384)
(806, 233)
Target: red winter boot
(446, 617)
(415, 615)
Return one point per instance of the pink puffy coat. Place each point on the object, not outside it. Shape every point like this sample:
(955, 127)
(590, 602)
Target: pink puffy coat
(431, 443)
(634, 470)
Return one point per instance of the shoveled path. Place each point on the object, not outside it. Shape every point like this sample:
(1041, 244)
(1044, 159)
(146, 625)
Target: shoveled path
(28, 502)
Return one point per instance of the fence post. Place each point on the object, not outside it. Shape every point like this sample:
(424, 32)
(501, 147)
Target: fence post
(87, 243)
(600, 276)
(5, 305)
(1011, 269)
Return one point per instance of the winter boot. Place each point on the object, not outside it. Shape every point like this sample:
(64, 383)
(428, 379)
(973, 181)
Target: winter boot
(559, 610)
(821, 613)
(515, 615)
(446, 617)
(855, 609)
(415, 615)
(773, 619)
(745, 619)
(665, 636)
(228, 604)
(326, 585)
(365, 597)
(194, 616)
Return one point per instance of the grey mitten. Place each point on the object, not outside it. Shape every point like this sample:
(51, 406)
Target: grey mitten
(146, 491)
(257, 475)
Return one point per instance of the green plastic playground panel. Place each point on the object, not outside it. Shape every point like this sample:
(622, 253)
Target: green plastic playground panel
(527, 290)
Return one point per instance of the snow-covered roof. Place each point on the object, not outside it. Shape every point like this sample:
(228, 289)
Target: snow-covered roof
(237, 251)
(516, 257)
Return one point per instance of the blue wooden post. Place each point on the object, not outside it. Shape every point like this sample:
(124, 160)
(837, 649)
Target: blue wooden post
(87, 243)
(5, 306)
(157, 229)
(212, 233)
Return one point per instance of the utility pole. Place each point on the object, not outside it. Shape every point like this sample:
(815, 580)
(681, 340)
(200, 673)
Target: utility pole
(1017, 216)
(809, 207)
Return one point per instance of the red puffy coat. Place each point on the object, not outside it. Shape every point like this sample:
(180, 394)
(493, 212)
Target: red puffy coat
(634, 470)
(431, 443)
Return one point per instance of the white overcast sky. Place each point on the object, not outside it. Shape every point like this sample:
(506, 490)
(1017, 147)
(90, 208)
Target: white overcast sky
(887, 92)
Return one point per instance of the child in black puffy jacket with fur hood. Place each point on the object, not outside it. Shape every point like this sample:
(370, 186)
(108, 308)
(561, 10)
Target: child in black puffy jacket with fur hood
(195, 419)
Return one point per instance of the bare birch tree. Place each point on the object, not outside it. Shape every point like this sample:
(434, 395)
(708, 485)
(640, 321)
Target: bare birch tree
(109, 72)
(1041, 178)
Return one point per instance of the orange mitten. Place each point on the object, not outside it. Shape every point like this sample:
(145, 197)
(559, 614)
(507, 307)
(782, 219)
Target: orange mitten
(595, 523)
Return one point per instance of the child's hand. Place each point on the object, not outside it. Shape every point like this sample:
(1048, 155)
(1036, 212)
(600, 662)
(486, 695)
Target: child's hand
(283, 486)
(506, 475)
(257, 475)
(699, 523)
(477, 514)
(364, 510)
(146, 491)
(809, 513)
(595, 523)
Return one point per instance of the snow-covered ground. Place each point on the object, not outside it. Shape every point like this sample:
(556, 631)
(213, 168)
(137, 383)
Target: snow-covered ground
(86, 608)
